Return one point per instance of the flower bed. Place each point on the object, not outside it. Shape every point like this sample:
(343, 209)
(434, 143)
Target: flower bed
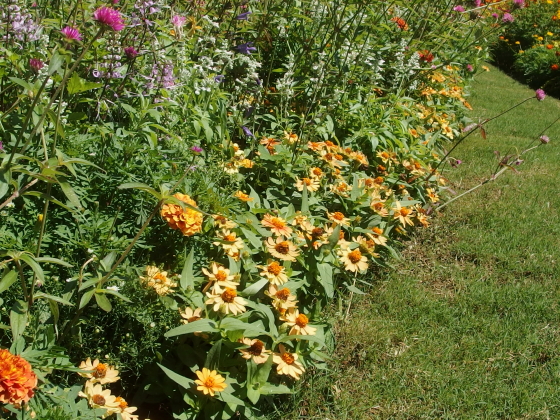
(184, 189)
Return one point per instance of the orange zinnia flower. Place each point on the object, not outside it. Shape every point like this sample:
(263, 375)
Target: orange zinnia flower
(188, 221)
(17, 379)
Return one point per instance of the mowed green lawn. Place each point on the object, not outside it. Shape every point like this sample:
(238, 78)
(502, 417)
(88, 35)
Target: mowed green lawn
(467, 325)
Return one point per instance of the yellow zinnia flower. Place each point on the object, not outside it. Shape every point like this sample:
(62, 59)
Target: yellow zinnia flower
(288, 363)
(298, 322)
(255, 351)
(98, 372)
(210, 382)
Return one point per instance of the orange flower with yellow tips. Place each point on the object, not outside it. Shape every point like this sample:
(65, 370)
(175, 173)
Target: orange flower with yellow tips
(188, 220)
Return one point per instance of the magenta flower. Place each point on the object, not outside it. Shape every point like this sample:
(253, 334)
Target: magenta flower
(178, 21)
(519, 3)
(470, 67)
(109, 17)
(71, 34)
(540, 95)
(130, 52)
(197, 149)
(507, 18)
(36, 64)
(459, 9)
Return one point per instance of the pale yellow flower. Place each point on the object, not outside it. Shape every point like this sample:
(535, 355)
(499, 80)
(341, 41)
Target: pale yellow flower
(282, 299)
(158, 280)
(312, 184)
(99, 398)
(277, 225)
(220, 276)
(255, 351)
(274, 273)
(377, 236)
(353, 260)
(125, 411)
(98, 372)
(223, 223)
(403, 214)
(242, 196)
(226, 302)
(298, 322)
(288, 363)
(190, 315)
(338, 218)
(210, 382)
(281, 249)
(231, 244)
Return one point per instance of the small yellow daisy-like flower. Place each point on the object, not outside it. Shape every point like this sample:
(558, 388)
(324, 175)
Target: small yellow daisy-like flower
(282, 299)
(189, 315)
(231, 244)
(223, 222)
(316, 173)
(210, 382)
(124, 410)
(338, 218)
(353, 260)
(274, 273)
(220, 276)
(291, 137)
(403, 214)
(298, 322)
(282, 249)
(277, 225)
(99, 398)
(158, 280)
(288, 363)
(242, 196)
(226, 302)
(255, 351)
(377, 236)
(434, 198)
(98, 372)
(312, 184)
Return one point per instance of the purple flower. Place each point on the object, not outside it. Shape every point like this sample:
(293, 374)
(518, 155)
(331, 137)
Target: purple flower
(495, 15)
(246, 48)
(36, 64)
(477, 3)
(540, 95)
(219, 78)
(470, 67)
(544, 139)
(519, 4)
(71, 34)
(178, 21)
(459, 9)
(507, 18)
(455, 162)
(247, 131)
(130, 52)
(197, 149)
(109, 17)
(243, 16)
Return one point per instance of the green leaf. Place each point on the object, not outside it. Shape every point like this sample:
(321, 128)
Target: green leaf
(108, 261)
(55, 63)
(202, 325)
(354, 289)
(213, 356)
(335, 236)
(70, 194)
(52, 261)
(55, 311)
(22, 83)
(270, 389)
(255, 287)
(249, 330)
(255, 241)
(7, 280)
(39, 295)
(230, 399)
(5, 179)
(114, 293)
(18, 319)
(326, 278)
(86, 297)
(304, 200)
(76, 84)
(140, 186)
(187, 276)
(103, 302)
(181, 380)
(30, 260)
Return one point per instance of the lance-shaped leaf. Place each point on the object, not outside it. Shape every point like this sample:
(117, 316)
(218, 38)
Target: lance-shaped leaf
(202, 325)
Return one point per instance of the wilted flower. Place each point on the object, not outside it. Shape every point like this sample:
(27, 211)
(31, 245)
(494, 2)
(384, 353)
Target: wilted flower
(71, 34)
(243, 16)
(17, 379)
(540, 95)
(210, 382)
(158, 280)
(544, 139)
(219, 79)
(188, 221)
(470, 68)
(109, 17)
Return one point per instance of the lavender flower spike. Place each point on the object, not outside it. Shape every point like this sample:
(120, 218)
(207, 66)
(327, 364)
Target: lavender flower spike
(540, 95)
(246, 48)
